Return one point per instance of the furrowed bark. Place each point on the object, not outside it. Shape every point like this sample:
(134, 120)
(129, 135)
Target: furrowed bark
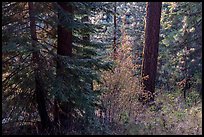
(150, 51)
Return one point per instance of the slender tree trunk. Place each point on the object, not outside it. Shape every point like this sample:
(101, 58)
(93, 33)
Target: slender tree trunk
(56, 111)
(150, 51)
(185, 70)
(40, 96)
(64, 48)
(124, 30)
(114, 39)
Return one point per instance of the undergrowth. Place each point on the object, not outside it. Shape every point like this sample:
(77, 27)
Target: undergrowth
(169, 115)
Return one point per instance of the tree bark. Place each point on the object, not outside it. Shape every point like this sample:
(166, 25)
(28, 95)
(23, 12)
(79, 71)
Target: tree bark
(150, 51)
(114, 39)
(64, 48)
(39, 91)
(64, 35)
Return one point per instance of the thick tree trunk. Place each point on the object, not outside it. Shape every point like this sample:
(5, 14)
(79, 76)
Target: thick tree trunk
(39, 92)
(150, 51)
(64, 35)
(64, 48)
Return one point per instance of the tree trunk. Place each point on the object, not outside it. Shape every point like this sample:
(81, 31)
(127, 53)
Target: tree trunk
(114, 39)
(64, 48)
(39, 91)
(64, 35)
(150, 51)
(185, 70)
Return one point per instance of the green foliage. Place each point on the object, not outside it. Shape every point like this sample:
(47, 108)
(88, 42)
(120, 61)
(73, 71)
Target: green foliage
(82, 80)
(89, 58)
(180, 32)
(75, 83)
(124, 117)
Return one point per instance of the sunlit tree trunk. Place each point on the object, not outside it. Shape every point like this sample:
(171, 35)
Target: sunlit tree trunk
(186, 80)
(150, 51)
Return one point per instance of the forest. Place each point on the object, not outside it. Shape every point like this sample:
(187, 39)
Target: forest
(102, 68)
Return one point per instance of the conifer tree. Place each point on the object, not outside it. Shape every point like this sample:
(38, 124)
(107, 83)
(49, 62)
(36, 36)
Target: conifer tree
(65, 68)
(39, 89)
(150, 51)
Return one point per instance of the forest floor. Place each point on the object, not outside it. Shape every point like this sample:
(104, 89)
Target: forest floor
(172, 118)
(169, 116)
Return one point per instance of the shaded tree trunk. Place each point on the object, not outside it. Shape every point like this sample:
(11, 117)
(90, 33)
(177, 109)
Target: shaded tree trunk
(150, 51)
(39, 91)
(64, 48)
(114, 39)
(64, 35)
